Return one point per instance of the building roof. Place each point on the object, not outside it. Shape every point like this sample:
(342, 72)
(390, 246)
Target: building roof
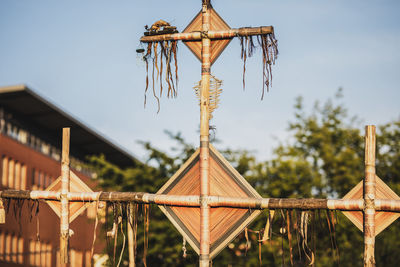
(47, 120)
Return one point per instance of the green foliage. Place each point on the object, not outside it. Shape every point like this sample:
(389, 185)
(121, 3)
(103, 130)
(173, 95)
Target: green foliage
(323, 157)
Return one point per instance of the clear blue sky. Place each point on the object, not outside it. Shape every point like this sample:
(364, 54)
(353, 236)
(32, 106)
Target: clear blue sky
(81, 56)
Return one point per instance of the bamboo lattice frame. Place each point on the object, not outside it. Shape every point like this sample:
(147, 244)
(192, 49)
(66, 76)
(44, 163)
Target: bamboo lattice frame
(257, 203)
(204, 199)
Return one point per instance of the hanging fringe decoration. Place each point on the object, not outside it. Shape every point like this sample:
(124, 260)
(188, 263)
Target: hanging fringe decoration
(289, 235)
(146, 213)
(314, 234)
(157, 53)
(132, 223)
(120, 222)
(268, 227)
(259, 240)
(296, 224)
(215, 92)
(114, 232)
(95, 227)
(305, 218)
(331, 225)
(108, 235)
(17, 211)
(135, 224)
(282, 231)
(269, 47)
(184, 248)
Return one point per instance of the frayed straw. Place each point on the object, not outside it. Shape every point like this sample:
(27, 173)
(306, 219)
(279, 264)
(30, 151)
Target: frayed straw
(269, 47)
(160, 53)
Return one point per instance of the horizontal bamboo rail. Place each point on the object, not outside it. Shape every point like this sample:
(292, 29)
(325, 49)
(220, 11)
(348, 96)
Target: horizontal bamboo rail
(213, 201)
(197, 36)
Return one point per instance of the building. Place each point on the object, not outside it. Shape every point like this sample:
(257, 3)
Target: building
(30, 153)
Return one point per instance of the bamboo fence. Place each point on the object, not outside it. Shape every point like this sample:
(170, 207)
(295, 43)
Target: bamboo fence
(369, 205)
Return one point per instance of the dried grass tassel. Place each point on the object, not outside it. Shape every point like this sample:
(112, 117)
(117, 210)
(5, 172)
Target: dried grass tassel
(184, 248)
(158, 53)
(289, 236)
(314, 234)
(95, 227)
(146, 211)
(123, 235)
(304, 234)
(114, 232)
(146, 60)
(297, 212)
(246, 234)
(269, 47)
(37, 222)
(268, 226)
(331, 225)
(214, 95)
(282, 231)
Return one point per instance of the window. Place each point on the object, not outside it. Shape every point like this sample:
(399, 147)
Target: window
(7, 246)
(40, 254)
(43, 254)
(76, 258)
(23, 177)
(32, 250)
(88, 259)
(40, 180)
(48, 255)
(14, 248)
(2, 246)
(13, 174)
(20, 250)
(4, 173)
(11, 169)
(17, 176)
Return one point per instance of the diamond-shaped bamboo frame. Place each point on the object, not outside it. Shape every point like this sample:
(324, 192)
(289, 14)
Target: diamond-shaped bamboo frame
(382, 219)
(186, 182)
(76, 185)
(216, 24)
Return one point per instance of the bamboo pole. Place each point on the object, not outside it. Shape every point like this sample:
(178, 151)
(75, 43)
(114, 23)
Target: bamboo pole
(369, 197)
(204, 259)
(64, 220)
(131, 245)
(389, 205)
(197, 36)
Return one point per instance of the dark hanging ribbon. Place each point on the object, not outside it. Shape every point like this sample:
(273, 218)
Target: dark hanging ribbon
(282, 232)
(297, 213)
(132, 222)
(289, 235)
(146, 215)
(332, 230)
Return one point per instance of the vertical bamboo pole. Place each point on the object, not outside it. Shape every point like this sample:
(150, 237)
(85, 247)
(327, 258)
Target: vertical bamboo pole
(64, 220)
(369, 197)
(204, 259)
(131, 245)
